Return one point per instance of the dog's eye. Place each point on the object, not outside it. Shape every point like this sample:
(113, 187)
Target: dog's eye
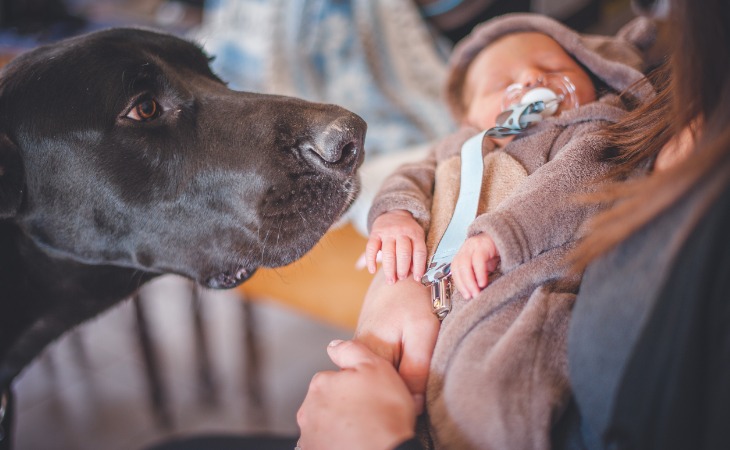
(145, 110)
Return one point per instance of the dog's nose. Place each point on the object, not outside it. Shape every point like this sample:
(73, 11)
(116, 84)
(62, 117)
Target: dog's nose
(337, 145)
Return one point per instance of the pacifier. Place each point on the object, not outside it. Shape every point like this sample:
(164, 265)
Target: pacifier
(523, 105)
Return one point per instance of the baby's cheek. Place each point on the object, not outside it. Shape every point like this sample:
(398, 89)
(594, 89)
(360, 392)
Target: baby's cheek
(589, 96)
(585, 90)
(482, 117)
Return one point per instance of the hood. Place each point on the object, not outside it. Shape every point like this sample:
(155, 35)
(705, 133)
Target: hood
(618, 60)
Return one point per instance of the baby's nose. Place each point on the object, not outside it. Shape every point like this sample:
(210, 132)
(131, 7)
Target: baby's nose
(532, 77)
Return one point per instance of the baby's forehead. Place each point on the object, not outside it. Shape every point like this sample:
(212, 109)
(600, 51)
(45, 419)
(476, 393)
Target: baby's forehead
(516, 48)
(526, 38)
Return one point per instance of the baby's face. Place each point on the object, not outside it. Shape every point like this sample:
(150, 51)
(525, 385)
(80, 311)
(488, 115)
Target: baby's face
(517, 58)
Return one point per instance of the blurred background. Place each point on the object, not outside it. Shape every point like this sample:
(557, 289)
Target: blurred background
(177, 360)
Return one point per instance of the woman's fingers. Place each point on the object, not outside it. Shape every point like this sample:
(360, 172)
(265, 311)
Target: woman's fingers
(351, 354)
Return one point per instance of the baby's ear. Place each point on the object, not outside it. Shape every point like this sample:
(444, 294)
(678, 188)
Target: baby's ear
(11, 177)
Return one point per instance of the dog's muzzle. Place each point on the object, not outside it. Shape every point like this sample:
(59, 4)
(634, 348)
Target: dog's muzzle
(337, 147)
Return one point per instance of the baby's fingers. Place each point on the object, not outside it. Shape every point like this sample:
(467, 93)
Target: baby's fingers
(420, 255)
(371, 253)
(481, 271)
(403, 255)
(463, 277)
(389, 260)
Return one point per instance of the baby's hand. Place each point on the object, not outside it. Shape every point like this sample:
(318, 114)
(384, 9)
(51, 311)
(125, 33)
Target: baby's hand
(472, 264)
(402, 242)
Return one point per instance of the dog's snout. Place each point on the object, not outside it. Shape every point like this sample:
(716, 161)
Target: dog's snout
(337, 145)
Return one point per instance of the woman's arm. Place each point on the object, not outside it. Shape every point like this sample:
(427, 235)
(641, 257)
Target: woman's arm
(396, 323)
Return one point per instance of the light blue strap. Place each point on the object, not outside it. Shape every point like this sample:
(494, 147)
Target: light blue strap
(470, 188)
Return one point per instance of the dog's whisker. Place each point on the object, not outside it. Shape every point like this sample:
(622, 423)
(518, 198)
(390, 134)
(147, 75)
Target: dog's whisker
(304, 219)
(278, 233)
(263, 245)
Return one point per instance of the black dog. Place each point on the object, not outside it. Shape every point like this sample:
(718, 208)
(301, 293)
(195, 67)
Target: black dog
(123, 157)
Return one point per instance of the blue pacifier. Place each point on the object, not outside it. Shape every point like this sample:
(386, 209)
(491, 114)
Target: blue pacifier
(523, 106)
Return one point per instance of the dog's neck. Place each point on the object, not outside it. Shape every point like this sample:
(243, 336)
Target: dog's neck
(41, 297)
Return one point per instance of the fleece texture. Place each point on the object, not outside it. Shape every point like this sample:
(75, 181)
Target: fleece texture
(499, 373)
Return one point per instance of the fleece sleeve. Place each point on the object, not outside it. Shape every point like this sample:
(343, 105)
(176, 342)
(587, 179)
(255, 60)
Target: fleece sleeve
(410, 187)
(543, 213)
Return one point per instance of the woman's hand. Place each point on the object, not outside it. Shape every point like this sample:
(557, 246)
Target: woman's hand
(402, 243)
(397, 323)
(364, 406)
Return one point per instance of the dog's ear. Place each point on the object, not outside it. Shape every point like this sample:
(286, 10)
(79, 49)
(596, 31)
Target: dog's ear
(11, 178)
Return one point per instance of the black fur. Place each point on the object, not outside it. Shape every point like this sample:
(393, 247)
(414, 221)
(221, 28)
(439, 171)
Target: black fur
(94, 202)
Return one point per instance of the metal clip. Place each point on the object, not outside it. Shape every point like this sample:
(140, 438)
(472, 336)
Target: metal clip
(438, 275)
(436, 271)
(441, 297)
(439, 278)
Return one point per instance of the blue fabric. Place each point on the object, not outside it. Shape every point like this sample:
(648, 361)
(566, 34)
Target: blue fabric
(378, 58)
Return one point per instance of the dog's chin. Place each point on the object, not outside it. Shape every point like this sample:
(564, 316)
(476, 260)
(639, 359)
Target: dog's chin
(352, 188)
(294, 237)
(228, 279)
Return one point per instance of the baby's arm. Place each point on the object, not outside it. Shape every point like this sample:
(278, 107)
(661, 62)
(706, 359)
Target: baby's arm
(402, 208)
(402, 242)
(409, 189)
(543, 213)
(531, 221)
(470, 268)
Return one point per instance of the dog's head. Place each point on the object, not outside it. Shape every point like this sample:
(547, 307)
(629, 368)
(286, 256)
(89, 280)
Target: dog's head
(121, 147)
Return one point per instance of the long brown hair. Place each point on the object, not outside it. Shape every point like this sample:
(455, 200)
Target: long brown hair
(693, 87)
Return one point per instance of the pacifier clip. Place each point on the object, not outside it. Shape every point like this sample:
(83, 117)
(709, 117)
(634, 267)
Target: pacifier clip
(438, 275)
(519, 117)
(511, 122)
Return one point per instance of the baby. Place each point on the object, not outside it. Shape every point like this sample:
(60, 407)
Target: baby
(495, 370)
(509, 61)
